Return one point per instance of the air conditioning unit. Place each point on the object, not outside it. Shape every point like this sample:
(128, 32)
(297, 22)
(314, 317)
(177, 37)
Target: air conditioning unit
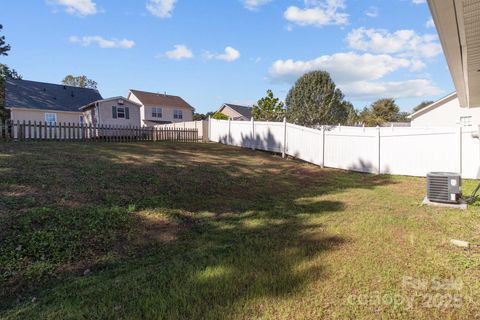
(444, 187)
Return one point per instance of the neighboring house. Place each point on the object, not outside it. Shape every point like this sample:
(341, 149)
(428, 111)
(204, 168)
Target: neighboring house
(446, 112)
(116, 111)
(236, 112)
(157, 108)
(46, 102)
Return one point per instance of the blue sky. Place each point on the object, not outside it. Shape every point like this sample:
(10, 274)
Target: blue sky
(215, 51)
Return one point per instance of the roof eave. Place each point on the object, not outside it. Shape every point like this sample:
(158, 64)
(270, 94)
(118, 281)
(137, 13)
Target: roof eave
(448, 20)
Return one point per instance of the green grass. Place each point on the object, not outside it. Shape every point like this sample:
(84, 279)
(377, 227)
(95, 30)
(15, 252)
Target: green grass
(189, 231)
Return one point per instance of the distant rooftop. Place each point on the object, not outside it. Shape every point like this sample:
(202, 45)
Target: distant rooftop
(160, 99)
(47, 96)
(242, 110)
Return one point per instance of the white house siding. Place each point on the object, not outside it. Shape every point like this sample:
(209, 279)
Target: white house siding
(448, 114)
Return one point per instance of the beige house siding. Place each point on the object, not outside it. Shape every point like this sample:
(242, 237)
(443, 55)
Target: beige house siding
(104, 110)
(167, 112)
(232, 114)
(17, 114)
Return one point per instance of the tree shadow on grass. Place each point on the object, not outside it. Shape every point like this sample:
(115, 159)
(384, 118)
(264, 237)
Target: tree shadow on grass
(240, 224)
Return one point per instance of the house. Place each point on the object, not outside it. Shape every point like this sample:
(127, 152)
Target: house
(459, 36)
(157, 108)
(46, 102)
(446, 112)
(236, 112)
(116, 111)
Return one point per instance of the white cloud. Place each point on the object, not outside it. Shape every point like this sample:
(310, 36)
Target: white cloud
(102, 42)
(161, 8)
(230, 54)
(360, 75)
(80, 7)
(372, 12)
(419, 1)
(396, 89)
(255, 4)
(318, 13)
(344, 67)
(403, 42)
(180, 52)
(430, 23)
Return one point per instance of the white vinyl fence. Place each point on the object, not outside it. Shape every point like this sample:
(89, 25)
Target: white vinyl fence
(201, 126)
(399, 150)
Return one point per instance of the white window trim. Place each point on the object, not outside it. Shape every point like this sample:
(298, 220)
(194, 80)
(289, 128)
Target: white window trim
(157, 113)
(118, 113)
(178, 114)
(466, 121)
(50, 114)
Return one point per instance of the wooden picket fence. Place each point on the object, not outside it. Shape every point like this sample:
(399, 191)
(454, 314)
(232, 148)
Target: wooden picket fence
(42, 131)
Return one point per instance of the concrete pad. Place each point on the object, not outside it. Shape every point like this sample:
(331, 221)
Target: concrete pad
(462, 205)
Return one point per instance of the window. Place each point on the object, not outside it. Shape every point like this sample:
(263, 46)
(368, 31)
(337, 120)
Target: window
(177, 114)
(156, 112)
(466, 121)
(50, 118)
(120, 112)
(81, 120)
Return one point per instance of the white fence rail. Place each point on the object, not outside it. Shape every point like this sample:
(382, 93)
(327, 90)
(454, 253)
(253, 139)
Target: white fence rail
(399, 150)
(201, 126)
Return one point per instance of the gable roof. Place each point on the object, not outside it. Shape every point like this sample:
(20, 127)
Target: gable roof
(110, 99)
(244, 111)
(434, 105)
(159, 99)
(47, 96)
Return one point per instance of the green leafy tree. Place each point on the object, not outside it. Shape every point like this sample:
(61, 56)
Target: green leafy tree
(269, 108)
(4, 48)
(79, 81)
(422, 105)
(5, 72)
(352, 114)
(315, 100)
(381, 111)
(199, 116)
(220, 116)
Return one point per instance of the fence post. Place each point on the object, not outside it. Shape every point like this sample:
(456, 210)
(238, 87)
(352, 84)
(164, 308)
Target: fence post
(253, 134)
(209, 133)
(284, 152)
(323, 146)
(379, 170)
(229, 132)
(460, 149)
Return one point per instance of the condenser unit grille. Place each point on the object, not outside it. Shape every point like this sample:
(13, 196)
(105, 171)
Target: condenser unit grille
(443, 187)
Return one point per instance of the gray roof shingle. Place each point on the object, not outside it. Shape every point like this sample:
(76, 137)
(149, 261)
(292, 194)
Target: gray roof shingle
(47, 96)
(243, 110)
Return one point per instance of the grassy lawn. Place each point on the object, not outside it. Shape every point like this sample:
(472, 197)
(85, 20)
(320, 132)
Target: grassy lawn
(122, 231)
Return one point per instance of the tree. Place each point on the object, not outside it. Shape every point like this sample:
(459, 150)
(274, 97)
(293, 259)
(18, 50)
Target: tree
(315, 100)
(381, 111)
(199, 116)
(422, 105)
(79, 81)
(220, 116)
(269, 108)
(4, 48)
(352, 114)
(5, 72)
